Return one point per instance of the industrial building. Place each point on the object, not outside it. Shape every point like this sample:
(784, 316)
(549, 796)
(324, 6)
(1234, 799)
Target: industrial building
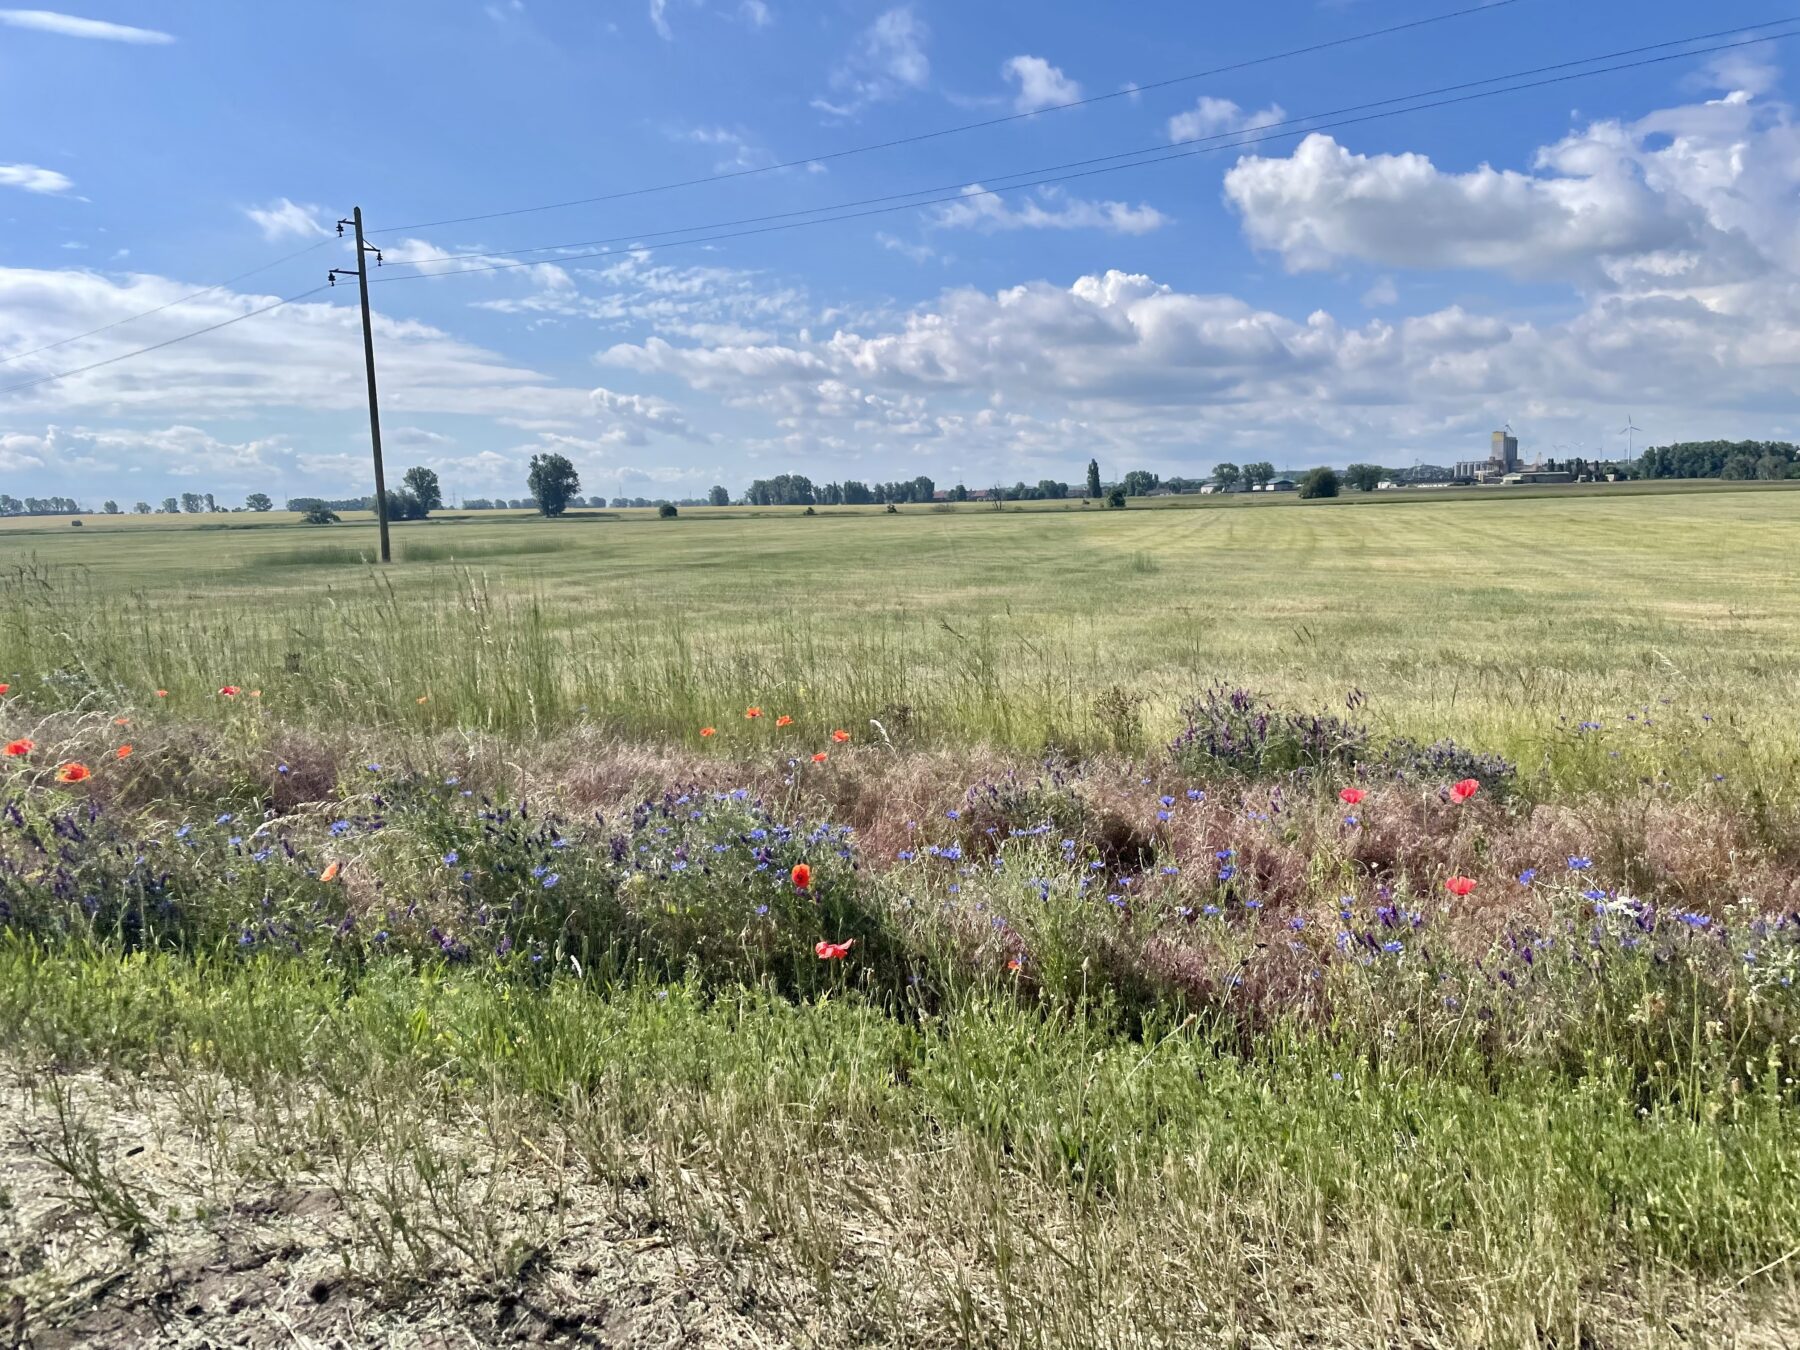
(1503, 458)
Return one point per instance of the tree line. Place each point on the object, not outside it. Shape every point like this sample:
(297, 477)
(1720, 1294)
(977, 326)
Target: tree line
(1740, 460)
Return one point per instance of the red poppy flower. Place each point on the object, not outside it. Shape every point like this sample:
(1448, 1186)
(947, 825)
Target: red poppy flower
(124, 752)
(1461, 792)
(784, 721)
(73, 773)
(709, 731)
(162, 693)
(1351, 796)
(121, 721)
(821, 757)
(229, 690)
(4, 688)
(840, 735)
(330, 873)
(23, 746)
(1460, 886)
(751, 714)
(833, 951)
(802, 875)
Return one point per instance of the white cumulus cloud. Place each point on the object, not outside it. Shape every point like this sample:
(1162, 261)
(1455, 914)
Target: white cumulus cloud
(1219, 116)
(31, 178)
(1041, 85)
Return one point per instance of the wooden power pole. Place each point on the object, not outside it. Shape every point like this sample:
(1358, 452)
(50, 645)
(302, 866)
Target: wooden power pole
(361, 271)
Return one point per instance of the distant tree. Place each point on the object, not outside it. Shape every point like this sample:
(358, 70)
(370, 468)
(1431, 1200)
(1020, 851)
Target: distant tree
(1093, 478)
(319, 514)
(423, 484)
(259, 501)
(111, 508)
(1051, 490)
(1320, 483)
(142, 508)
(170, 506)
(718, 497)
(1738, 467)
(10, 505)
(193, 503)
(1116, 499)
(1771, 467)
(1364, 477)
(209, 503)
(553, 481)
(404, 506)
(959, 493)
(1140, 483)
(667, 511)
(1260, 473)
(923, 489)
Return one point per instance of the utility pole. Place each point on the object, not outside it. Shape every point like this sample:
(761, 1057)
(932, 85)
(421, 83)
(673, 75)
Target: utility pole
(361, 271)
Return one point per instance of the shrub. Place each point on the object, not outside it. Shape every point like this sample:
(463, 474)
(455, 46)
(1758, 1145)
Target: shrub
(1116, 499)
(319, 514)
(666, 511)
(1320, 483)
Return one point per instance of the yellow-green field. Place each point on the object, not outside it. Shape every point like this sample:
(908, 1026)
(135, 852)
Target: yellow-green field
(1485, 617)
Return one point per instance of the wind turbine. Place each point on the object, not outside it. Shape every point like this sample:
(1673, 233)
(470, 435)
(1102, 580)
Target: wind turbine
(1629, 431)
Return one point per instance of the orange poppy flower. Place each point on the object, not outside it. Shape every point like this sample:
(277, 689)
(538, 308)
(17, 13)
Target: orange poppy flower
(833, 951)
(802, 875)
(423, 698)
(840, 735)
(73, 773)
(1014, 964)
(783, 721)
(709, 731)
(23, 746)
(821, 757)
(330, 873)
(121, 721)
(124, 752)
(1460, 886)
(751, 714)
(256, 693)
(229, 690)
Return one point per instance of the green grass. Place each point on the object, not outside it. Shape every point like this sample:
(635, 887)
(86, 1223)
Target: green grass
(1484, 617)
(987, 1177)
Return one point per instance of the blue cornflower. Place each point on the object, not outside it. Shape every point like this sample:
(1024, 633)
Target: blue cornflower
(1195, 795)
(1225, 854)
(906, 855)
(551, 880)
(282, 768)
(452, 858)
(953, 814)
(761, 910)
(224, 819)
(1211, 911)
(1167, 801)
(1577, 863)
(1297, 922)
(1170, 870)
(1227, 872)
(373, 768)
(340, 827)
(678, 866)
(184, 831)
(1096, 865)
(235, 840)
(1393, 947)
(1528, 876)
(1162, 815)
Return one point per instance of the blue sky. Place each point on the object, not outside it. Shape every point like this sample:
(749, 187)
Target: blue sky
(1388, 291)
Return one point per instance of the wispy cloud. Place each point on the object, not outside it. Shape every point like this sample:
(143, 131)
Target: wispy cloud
(889, 60)
(283, 219)
(33, 179)
(49, 21)
(1050, 209)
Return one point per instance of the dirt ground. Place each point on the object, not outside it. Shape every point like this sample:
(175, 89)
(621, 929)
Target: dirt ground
(244, 1261)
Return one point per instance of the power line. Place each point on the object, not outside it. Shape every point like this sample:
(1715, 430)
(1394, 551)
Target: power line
(1128, 91)
(966, 195)
(133, 318)
(158, 346)
(1222, 140)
